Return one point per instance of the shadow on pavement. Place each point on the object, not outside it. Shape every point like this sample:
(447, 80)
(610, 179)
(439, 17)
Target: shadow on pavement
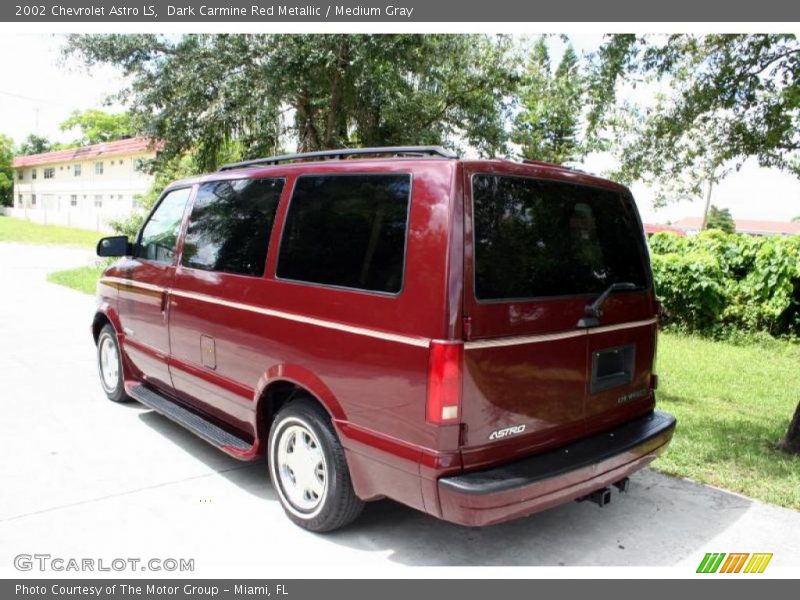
(660, 522)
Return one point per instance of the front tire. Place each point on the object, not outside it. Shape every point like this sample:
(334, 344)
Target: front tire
(109, 365)
(308, 468)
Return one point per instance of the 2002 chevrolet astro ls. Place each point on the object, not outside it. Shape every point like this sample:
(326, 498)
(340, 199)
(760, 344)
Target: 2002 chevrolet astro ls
(472, 338)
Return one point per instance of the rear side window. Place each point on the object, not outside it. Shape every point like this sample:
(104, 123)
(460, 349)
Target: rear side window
(347, 231)
(536, 238)
(160, 234)
(230, 226)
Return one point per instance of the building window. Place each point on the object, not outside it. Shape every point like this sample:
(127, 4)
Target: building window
(33, 199)
(20, 175)
(138, 165)
(33, 173)
(98, 202)
(73, 200)
(76, 170)
(19, 199)
(49, 173)
(98, 168)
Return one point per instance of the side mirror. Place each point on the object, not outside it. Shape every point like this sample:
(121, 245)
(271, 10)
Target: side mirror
(117, 245)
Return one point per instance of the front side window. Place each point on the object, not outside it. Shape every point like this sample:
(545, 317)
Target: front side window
(230, 226)
(347, 231)
(537, 238)
(159, 237)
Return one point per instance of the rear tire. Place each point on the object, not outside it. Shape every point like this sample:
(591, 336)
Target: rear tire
(308, 468)
(109, 365)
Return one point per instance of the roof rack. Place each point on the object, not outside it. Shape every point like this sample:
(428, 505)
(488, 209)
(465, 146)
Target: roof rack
(343, 153)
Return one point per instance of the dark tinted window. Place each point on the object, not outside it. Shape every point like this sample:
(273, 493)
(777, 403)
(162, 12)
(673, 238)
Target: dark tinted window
(347, 230)
(538, 238)
(230, 225)
(160, 234)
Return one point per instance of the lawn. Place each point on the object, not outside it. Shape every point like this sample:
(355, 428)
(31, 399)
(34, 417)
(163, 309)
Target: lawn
(83, 279)
(733, 403)
(20, 230)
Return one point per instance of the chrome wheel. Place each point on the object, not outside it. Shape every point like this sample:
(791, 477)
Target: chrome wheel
(301, 467)
(109, 364)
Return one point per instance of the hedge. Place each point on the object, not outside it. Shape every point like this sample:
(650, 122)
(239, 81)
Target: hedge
(717, 281)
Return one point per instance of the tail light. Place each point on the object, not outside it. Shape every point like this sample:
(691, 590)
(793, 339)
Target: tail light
(444, 382)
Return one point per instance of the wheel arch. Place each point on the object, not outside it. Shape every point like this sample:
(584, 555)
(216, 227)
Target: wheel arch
(105, 315)
(283, 383)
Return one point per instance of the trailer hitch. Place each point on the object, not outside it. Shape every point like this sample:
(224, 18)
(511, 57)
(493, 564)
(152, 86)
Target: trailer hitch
(602, 496)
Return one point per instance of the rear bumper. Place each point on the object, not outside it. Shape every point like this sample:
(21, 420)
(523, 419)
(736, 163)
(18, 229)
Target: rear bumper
(539, 482)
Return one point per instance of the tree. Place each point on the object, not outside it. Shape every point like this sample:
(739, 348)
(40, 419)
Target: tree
(796, 219)
(6, 171)
(723, 99)
(720, 218)
(549, 125)
(36, 144)
(726, 98)
(97, 126)
(791, 443)
(246, 94)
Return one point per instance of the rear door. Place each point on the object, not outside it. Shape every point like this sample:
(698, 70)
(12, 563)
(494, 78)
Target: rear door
(537, 252)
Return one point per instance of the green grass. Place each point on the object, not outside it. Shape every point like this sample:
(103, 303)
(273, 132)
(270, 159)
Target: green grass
(83, 279)
(733, 404)
(20, 230)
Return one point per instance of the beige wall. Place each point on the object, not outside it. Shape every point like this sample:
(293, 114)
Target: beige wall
(89, 200)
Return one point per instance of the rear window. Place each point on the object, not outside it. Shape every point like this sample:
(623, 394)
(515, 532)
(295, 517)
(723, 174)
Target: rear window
(536, 238)
(230, 225)
(347, 231)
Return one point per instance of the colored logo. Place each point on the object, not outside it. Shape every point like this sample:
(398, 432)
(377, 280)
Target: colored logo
(736, 562)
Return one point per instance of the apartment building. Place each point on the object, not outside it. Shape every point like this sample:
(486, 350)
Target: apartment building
(82, 187)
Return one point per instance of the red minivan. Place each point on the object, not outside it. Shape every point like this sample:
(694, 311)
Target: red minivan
(472, 338)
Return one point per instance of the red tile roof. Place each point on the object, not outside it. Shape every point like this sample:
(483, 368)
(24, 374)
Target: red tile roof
(753, 226)
(126, 146)
(655, 228)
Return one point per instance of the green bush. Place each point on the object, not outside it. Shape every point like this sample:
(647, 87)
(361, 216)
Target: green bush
(691, 287)
(717, 282)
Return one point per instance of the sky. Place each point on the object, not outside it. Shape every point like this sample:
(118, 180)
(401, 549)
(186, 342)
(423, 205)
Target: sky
(40, 89)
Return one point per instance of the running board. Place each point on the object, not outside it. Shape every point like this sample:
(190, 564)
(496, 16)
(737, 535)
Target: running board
(197, 424)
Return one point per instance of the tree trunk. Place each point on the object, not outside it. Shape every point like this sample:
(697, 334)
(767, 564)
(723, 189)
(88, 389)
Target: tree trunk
(791, 443)
(336, 128)
(708, 204)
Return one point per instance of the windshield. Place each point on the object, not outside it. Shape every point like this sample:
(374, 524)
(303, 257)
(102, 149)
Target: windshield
(535, 238)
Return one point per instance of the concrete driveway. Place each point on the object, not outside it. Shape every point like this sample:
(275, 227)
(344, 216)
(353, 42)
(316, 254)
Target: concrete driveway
(83, 477)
